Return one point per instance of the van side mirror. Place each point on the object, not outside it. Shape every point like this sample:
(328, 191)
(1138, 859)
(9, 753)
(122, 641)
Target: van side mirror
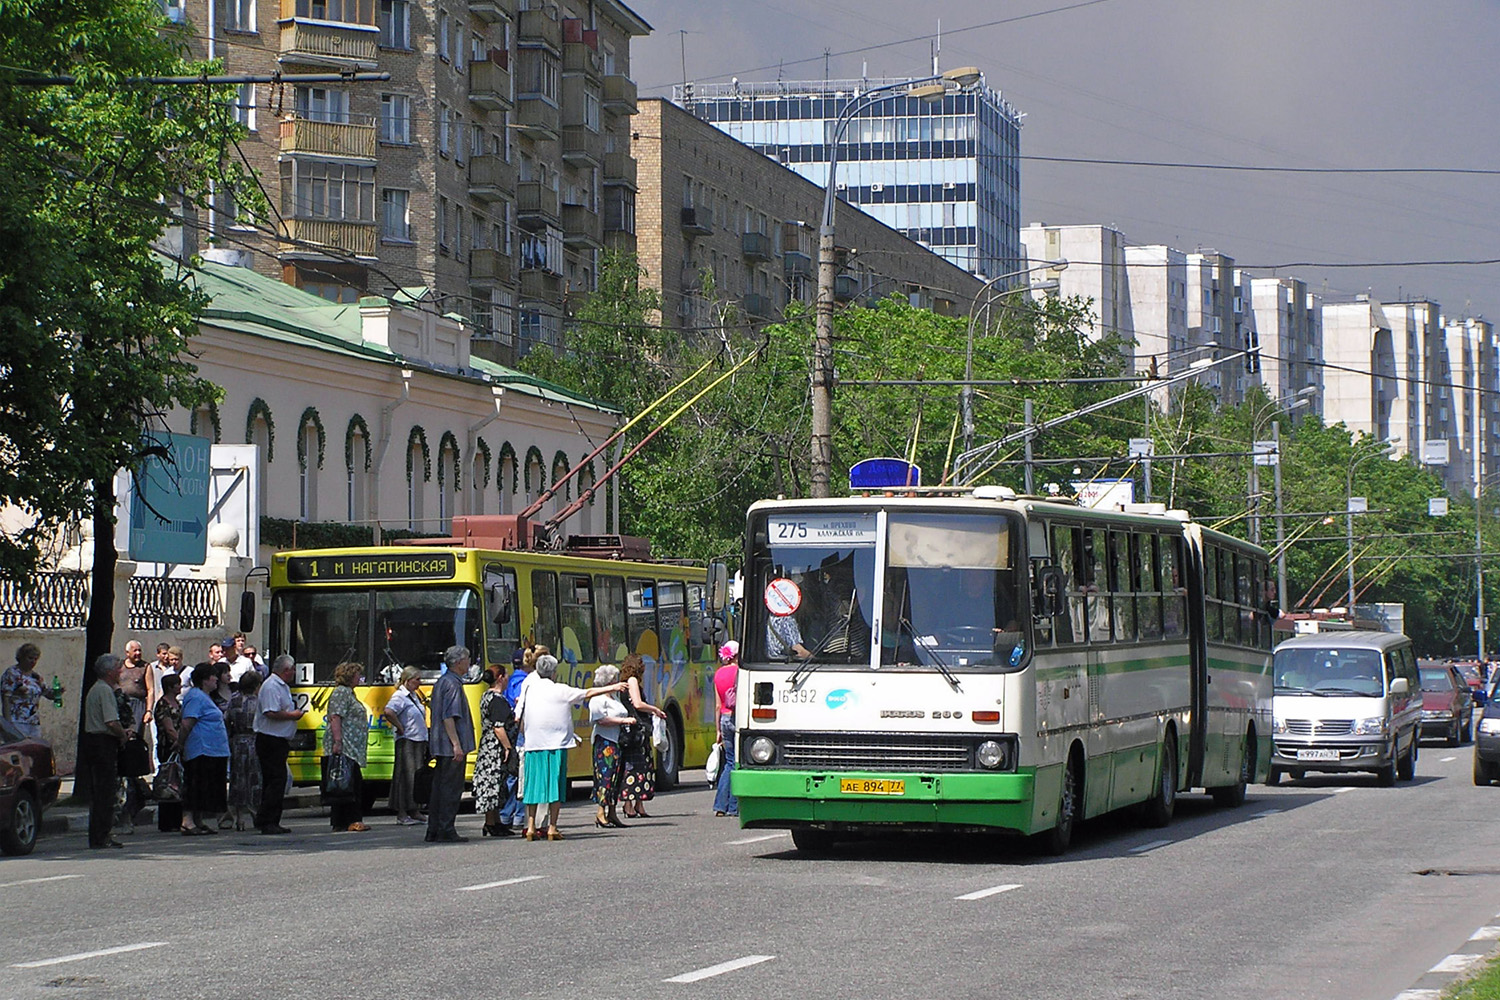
(1400, 686)
(247, 612)
(1051, 588)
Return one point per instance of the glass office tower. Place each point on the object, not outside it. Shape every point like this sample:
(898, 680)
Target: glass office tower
(947, 174)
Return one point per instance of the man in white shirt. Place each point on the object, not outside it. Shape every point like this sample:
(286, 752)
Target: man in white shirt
(275, 725)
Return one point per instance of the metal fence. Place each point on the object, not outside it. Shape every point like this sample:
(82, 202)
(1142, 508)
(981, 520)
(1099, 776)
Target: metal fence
(170, 604)
(54, 600)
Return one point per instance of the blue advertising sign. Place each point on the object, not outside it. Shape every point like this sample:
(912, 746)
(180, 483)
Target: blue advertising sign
(884, 473)
(169, 508)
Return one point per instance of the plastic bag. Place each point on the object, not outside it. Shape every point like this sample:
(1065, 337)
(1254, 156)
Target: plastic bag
(714, 764)
(659, 732)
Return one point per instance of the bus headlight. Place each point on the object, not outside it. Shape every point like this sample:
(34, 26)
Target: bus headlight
(761, 750)
(990, 754)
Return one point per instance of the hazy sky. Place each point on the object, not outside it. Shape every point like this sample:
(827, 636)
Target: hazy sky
(1285, 83)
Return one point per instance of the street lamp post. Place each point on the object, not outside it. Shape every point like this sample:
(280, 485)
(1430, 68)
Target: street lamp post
(923, 88)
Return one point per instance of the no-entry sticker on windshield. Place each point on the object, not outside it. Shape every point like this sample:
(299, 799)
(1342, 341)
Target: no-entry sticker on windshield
(783, 597)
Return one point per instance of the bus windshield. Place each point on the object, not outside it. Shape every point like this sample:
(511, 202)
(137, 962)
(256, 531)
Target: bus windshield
(949, 596)
(385, 628)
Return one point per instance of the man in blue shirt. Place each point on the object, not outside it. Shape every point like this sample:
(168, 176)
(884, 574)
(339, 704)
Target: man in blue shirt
(450, 740)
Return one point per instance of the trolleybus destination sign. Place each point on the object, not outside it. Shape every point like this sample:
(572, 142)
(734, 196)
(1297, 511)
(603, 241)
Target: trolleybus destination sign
(353, 568)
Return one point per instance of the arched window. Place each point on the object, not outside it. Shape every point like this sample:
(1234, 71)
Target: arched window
(535, 474)
(479, 476)
(308, 475)
(357, 464)
(260, 436)
(506, 478)
(448, 479)
(414, 489)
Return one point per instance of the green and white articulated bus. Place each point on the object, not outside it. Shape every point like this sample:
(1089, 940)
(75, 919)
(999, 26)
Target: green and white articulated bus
(988, 662)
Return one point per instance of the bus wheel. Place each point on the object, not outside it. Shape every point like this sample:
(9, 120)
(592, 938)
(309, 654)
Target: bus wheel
(1057, 840)
(669, 757)
(811, 841)
(1158, 809)
(1231, 796)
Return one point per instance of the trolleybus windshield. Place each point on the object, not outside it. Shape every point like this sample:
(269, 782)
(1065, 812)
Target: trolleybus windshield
(384, 628)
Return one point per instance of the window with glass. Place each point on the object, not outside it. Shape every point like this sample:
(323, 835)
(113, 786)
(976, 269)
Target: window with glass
(609, 618)
(502, 614)
(395, 24)
(1122, 594)
(321, 104)
(640, 611)
(244, 106)
(386, 629)
(395, 214)
(239, 15)
(576, 601)
(316, 189)
(347, 11)
(395, 118)
(1148, 590)
(544, 617)
(537, 73)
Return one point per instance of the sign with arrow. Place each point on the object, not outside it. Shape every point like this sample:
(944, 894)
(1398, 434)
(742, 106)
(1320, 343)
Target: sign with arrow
(169, 510)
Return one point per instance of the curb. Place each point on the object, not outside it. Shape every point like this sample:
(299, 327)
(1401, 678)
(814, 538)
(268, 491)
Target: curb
(1474, 952)
(61, 820)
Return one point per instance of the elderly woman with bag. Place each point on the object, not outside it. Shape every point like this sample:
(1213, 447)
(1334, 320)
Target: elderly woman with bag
(203, 743)
(348, 736)
(546, 711)
(608, 714)
(244, 765)
(167, 714)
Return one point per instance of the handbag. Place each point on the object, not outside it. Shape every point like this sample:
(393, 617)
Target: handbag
(659, 732)
(421, 786)
(134, 759)
(714, 764)
(338, 779)
(167, 786)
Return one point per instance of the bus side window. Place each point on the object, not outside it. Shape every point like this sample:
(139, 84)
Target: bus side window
(699, 641)
(640, 611)
(544, 610)
(1148, 604)
(1174, 596)
(502, 624)
(1119, 583)
(1062, 558)
(1211, 604)
(576, 598)
(670, 613)
(609, 619)
(1096, 576)
(1227, 577)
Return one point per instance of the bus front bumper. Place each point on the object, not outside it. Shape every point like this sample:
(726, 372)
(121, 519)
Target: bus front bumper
(849, 800)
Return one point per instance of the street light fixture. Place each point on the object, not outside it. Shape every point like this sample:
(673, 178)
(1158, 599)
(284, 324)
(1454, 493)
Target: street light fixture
(922, 88)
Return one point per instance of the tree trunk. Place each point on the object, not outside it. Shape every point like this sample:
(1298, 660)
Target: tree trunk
(99, 632)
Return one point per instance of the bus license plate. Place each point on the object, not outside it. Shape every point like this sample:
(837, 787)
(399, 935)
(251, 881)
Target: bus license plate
(871, 786)
(1317, 755)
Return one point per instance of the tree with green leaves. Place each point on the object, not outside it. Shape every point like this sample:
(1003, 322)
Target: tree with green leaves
(95, 324)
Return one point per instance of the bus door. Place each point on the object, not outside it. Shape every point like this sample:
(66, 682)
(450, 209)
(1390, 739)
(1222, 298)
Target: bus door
(1080, 702)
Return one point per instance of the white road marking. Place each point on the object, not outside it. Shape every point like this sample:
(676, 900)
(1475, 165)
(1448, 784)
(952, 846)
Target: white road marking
(34, 881)
(1456, 963)
(120, 950)
(756, 840)
(1419, 995)
(496, 885)
(1444, 760)
(1489, 932)
(1341, 791)
(720, 969)
(1264, 813)
(1143, 848)
(993, 890)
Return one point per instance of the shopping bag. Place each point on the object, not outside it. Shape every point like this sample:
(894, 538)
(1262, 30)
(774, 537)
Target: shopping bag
(659, 733)
(167, 786)
(714, 764)
(338, 779)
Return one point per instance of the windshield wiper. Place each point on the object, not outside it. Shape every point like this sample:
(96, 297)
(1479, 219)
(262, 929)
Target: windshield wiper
(931, 650)
(808, 665)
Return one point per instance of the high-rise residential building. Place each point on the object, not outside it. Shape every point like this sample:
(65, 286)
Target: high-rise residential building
(946, 174)
(723, 229)
(1095, 271)
(1155, 315)
(1288, 327)
(483, 177)
(1218, 322)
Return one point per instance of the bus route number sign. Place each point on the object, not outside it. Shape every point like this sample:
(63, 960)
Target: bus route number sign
(355, 568)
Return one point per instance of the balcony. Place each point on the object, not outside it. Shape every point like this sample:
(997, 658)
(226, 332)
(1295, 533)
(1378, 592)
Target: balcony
(490, 178)
(757, 306)
(540, 286)
(796, 264)
(536, 30)
(581, 58)
(352, 46)
(493, 11)
(341, 238)
(582, 146)
(536, 204)
(354, 139)
(619, 95)
(536, 118)
(698, 221)
(845, 288)
(755, 246)
(582, 227)
(619, 170)
(619, 241)
(489, 264)
(489, 85)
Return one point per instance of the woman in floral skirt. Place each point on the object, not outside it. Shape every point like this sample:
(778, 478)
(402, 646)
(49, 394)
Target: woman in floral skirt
(638, 786)
(496, 745)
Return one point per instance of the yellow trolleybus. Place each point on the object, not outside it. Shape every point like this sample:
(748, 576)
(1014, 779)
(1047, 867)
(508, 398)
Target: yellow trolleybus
(594, 601)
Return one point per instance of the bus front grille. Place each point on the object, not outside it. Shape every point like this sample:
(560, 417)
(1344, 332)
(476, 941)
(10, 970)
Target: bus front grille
(876, 752)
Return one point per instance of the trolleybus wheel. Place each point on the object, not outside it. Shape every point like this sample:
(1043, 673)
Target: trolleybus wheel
(1158, 809)
(669, 757)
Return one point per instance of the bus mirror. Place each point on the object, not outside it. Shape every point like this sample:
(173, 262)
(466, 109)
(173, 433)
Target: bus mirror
(718, 586)
(247, 611)
(1050, 591)
(501, 600)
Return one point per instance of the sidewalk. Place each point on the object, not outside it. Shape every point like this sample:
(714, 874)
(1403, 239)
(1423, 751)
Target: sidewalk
(64, 817)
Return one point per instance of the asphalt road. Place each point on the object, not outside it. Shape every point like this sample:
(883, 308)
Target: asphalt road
(1332, 888)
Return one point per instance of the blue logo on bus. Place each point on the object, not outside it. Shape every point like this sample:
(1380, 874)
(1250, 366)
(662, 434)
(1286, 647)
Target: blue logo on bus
(839, 698)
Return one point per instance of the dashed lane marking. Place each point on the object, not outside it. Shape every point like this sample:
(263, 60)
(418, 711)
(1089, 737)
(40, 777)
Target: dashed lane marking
(34, 881)
(1341, 791)
(1444, 760)
(1264, 813)
(720, 969)
(993, 890)
(496, 885)
(764, 836)
(119, 950)
(1146, 848)
(1456, 963)
(1419, 995)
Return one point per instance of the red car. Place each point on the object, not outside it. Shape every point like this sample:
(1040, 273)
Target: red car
(28, 784)
(1447, 706)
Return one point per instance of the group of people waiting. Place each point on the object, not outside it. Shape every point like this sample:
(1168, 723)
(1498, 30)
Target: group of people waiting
(228, 721)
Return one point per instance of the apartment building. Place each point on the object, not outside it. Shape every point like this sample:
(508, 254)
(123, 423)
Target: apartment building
(722, 225)
(479, 176)
(1288, 327)
(1218, 323)
(1155, 313)
(945, 173)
